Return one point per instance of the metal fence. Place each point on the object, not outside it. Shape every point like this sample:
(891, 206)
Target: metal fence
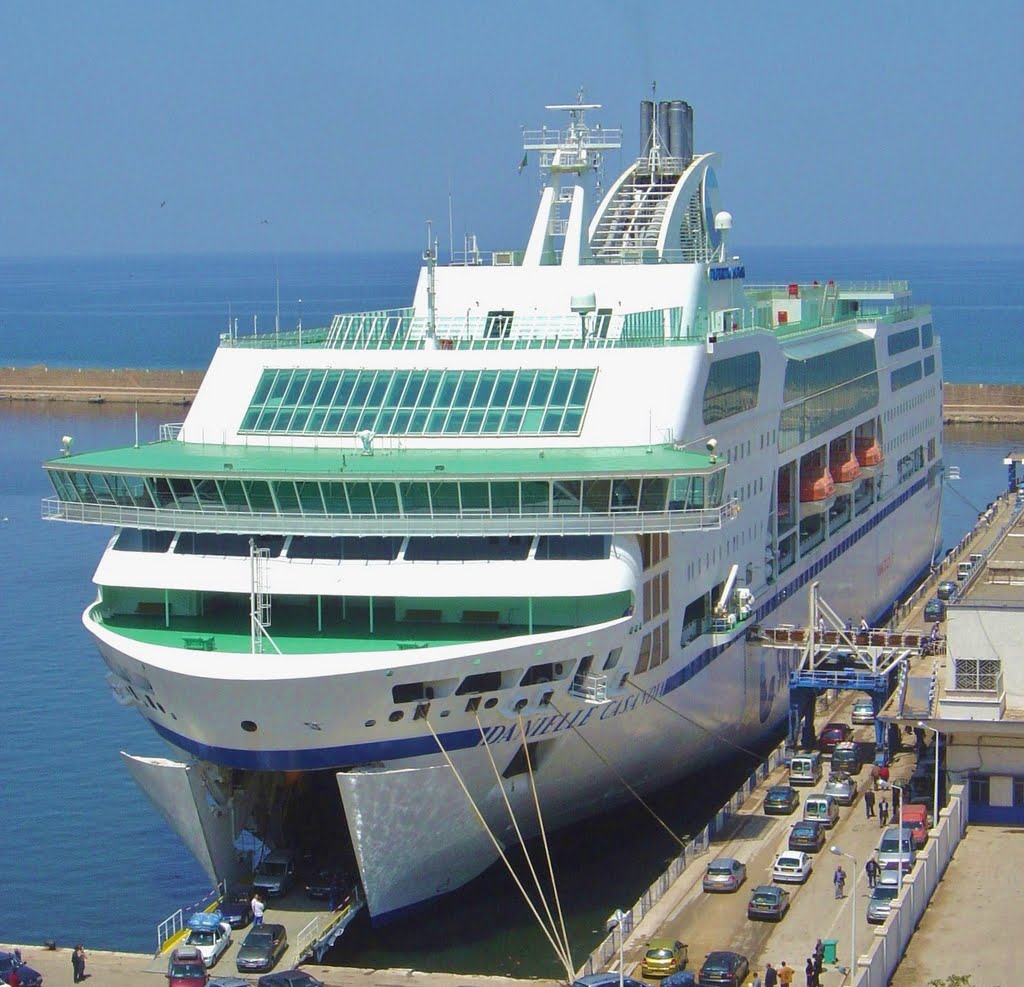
(172, 926)
(697, 847)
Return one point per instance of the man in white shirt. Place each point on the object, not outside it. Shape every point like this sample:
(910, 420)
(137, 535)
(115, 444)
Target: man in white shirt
(258, 909)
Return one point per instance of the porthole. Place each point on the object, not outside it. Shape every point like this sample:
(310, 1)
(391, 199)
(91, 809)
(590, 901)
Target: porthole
(520, 705)
(370, 723)
(248, 726)
(396, 716)
(491, 703)
(445, 712)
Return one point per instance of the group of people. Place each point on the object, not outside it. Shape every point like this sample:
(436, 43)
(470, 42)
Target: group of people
(784, 975)
(884, 810)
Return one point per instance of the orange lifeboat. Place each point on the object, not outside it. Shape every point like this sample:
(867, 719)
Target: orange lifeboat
(869, 452)
(848, 471)
(816, 484)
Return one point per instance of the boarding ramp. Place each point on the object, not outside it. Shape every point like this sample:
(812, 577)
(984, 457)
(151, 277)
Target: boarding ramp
(311, 927)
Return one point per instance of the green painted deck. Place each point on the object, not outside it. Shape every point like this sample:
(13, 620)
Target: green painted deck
(293, 635)
(191, 459)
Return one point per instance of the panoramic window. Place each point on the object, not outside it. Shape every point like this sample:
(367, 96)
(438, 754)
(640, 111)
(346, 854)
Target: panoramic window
(731, 387)
(907, 375)
(900, 342)
(420, 402)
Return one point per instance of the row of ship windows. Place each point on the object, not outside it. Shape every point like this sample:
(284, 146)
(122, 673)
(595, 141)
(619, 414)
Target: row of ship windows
(912, 373)
(908, 339)
(928, 425)
(419, 402)
(391, 499)
(898, 410)
(369, 548)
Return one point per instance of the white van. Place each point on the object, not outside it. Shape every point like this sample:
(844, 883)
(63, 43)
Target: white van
(963, 570)
(805, 769)
(821, 808)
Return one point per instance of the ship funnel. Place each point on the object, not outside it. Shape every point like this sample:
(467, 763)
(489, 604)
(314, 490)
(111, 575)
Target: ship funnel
(663, 134)
(646, 126)
(680, 131)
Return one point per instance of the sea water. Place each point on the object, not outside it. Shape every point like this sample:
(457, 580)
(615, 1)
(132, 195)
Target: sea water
(86, 856)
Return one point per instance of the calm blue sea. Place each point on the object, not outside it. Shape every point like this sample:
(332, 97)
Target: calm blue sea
(86, 858)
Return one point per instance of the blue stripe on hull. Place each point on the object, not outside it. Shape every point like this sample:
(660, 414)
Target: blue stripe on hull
(410, 747)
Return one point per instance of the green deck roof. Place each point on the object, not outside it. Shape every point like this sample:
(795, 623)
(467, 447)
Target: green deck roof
(188, 459)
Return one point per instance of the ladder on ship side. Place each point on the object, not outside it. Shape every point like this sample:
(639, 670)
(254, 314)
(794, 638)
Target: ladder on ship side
(259, 599)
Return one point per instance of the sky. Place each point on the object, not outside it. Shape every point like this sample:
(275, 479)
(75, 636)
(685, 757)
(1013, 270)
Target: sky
(326, 125)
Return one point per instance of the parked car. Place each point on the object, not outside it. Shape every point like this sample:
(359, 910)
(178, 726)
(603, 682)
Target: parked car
(768, 901)
(822, 808)
(275, 873)
(781, 800)
(915, 818)
(805, 769)
(227, 981)
(663, 957)
(723, 967)
(724, 874)
(934, 610)
(893, 848)
(841, 787)
(832, 734)
(289, 978)
(236, 905)
(846, 757)
(262, 948)
(880, 902)
(186, 968)
(684, 978)
(807, 835)
(946, 590)
(324, 881)
(11, 961)
(889, 874)
(792, 866)
(609, 979)
(210, 934)
(863, 711)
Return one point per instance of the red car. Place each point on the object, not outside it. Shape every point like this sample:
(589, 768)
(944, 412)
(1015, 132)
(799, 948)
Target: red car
(186, 968)
(832, 734)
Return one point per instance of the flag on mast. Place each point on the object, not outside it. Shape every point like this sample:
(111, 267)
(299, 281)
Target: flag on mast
(522, 164)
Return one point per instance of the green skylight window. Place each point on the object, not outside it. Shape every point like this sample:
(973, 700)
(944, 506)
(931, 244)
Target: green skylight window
(419, 402)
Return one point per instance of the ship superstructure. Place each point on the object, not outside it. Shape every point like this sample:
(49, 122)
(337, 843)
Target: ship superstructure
(530, 519)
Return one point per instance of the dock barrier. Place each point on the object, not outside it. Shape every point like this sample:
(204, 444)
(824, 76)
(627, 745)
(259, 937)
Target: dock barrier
(172, 927)
(697, 847)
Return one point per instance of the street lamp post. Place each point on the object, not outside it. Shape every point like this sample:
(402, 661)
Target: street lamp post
(853, 909)
(935, 802)
(615, 921)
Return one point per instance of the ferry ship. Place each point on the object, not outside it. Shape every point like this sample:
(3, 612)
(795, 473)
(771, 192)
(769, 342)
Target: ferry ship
(391, 575)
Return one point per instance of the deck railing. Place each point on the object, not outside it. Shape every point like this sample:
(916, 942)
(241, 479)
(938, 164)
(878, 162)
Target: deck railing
(469, 524)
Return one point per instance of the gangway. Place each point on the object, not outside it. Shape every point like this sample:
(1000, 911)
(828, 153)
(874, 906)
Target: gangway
(837, 656)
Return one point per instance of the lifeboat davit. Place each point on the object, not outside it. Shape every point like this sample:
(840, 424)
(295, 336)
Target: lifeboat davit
(869, 456)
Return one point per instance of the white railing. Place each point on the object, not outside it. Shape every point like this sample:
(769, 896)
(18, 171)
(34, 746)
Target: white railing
(320, 933)
(590, 688)
(228, 522)
(174, 924)
(169, 431)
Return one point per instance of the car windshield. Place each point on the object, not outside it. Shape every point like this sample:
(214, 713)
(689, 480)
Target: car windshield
(891, 845)
(721, 870)
(659, 954)
(884, 893)
(764, 897)
(201, 937)
(192, 969)
(259, 938)
(272, 868)
(238, 898)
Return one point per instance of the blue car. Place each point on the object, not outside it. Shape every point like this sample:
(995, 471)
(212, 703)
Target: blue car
(9, 962)
(236, 906)
(610, 979)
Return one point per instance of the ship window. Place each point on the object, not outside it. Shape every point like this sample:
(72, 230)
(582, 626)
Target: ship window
(900, 342)
(453, 549)
(905, 376)
(248, 726)
(499, 324)
(231, 546)
(396, 716)
(732, 387)
(143, 540)
(927, 337)
(575, 547)
(929, 366)
(400, 402)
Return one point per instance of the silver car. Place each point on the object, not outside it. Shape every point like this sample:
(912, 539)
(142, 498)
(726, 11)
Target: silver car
(841, 787)
(892, 849)
(724, 874)
(880, 902)
(863, 711)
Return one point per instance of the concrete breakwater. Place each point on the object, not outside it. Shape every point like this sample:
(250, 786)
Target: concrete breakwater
(93, 386)
(965, 404)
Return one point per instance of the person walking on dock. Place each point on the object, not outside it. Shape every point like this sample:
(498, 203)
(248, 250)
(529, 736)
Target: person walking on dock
(809, 972)
(786, 974)
(258, 908)
(871, 869)
(883, 812)
(869, 803)
(771, 977)
(839, 880)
